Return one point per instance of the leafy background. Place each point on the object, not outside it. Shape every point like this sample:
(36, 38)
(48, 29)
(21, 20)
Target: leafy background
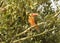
(14, 21)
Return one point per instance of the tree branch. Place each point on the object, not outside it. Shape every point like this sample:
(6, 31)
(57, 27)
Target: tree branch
(26, 30)
(22, 39)
(29, 29)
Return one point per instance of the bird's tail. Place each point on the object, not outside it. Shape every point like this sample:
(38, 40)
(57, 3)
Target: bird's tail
(37, 28)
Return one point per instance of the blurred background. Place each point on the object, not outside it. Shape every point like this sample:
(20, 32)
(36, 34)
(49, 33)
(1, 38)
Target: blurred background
(14, 21)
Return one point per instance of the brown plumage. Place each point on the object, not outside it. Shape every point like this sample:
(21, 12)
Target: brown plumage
(32, 21)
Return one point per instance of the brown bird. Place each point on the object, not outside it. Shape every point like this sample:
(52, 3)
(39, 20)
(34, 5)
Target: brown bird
(32, 21)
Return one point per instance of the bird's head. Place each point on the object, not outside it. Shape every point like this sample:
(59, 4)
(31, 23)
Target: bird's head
(33, 14)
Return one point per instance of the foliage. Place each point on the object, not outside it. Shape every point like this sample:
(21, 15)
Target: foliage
(14, 21)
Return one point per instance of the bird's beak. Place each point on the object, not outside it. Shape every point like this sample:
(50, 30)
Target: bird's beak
(35, 14)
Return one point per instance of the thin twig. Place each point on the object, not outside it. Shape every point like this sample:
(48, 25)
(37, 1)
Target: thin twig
(22, 39)
(56, 14)
(28, 29)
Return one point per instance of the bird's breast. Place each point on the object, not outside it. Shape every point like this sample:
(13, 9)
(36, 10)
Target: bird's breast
(31, 21)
